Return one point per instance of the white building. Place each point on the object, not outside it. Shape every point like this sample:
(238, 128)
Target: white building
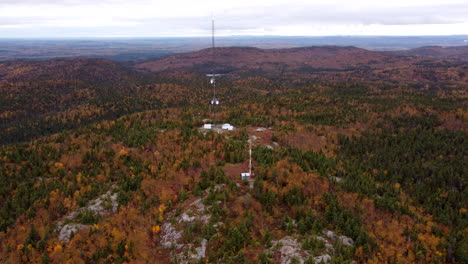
(227, 126)
(245, 176)
(207, 126)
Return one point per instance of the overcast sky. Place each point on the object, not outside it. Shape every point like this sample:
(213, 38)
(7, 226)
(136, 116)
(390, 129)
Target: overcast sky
(162, 18)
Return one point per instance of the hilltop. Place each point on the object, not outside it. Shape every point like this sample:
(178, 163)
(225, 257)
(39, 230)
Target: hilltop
(325, 63)
(272, 61)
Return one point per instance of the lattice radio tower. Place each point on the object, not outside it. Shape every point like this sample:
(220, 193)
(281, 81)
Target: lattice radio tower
(214, 102)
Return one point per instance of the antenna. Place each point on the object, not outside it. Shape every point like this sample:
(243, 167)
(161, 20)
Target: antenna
(212, 34)
(214, 101)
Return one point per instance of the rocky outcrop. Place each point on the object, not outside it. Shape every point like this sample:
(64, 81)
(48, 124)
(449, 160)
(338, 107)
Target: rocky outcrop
(172, 232)
(289, 250)
(103, 205)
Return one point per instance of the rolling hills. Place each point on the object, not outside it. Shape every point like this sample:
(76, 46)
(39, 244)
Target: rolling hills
(326, 63)
(450, 53)
(358, 157)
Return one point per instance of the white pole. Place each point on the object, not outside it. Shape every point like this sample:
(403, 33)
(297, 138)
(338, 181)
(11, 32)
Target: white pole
(250, 159)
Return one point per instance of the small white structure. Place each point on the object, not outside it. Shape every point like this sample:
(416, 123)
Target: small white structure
(260, 129)
(214, 101)
(245, 176)
(227, 126)
(207, 126)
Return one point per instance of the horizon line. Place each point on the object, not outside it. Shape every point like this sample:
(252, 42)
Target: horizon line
(227, 36)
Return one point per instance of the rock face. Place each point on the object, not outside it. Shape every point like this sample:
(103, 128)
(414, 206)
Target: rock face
(289, 251)
(200, 252)
(172, 232)
(104, 204)
(170, 236)
(346, 241)
(67, 230)
(186, 218)
(328, 246)
(322, 259)
(337, 179)
(330, 234)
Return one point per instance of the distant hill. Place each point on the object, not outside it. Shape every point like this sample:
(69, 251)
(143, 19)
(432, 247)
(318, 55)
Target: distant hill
(245, 58)
(453, 53)
(134, 49)
(64, 68)
(40, 97)
(296, 59)
(325, 63)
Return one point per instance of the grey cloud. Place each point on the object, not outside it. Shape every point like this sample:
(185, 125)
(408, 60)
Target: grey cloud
(280, 15)
(37, 21)
(65, 2)
(17, 21)
(268, 18)
(265, 18)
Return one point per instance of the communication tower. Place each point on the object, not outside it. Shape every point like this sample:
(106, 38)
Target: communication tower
(214, 102)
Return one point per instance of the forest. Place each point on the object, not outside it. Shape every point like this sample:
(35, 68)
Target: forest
(101, 163)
